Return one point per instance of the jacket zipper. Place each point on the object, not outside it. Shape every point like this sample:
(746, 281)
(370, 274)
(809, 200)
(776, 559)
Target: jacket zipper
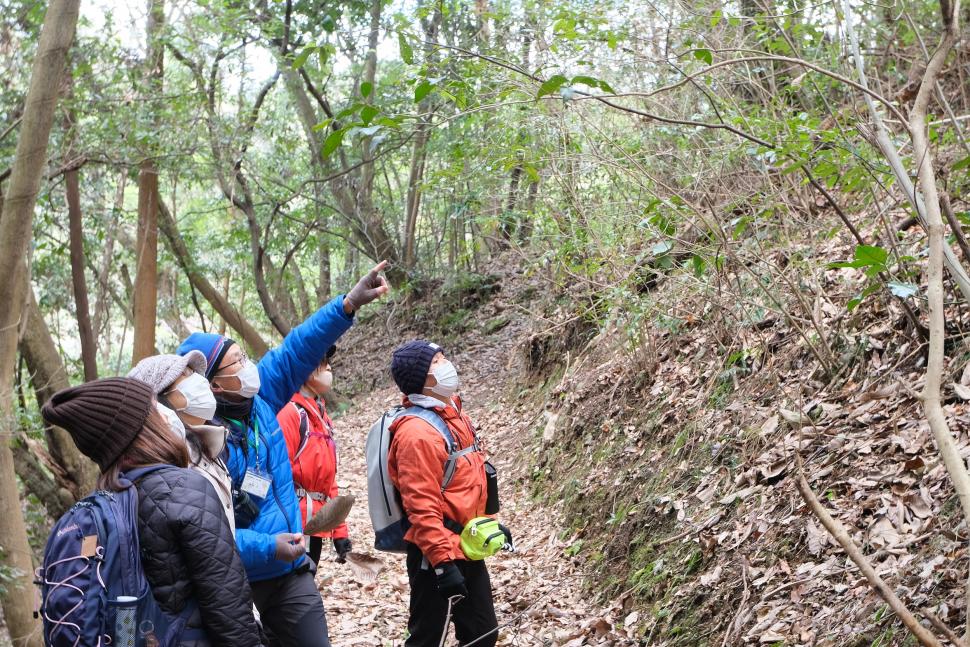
(272, 485)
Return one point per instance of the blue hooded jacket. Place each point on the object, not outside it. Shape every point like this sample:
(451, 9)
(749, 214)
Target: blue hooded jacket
(282, 372)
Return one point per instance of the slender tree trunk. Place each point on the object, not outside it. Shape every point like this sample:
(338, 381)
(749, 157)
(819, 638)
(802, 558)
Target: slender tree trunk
(324, 279)
(528, 218)
(926, 177)
(249, 335)
(146, 275)
(102, 308)
(413, 203)
(301, 290)
(48, 375)
(33, 473)
(225, 296)
(270, 307)
(89, 356)
(46, 76)
(431, 26)
(509, 223)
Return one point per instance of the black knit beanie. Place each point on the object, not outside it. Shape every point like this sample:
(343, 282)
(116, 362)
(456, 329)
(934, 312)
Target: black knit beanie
(410, 364)
(102, 416)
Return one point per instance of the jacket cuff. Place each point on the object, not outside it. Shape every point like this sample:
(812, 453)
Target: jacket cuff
(269, 550)
(340, 532)
(338, 301)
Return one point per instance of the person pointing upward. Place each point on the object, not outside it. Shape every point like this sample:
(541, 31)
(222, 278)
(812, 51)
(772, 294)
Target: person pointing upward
(268, 518)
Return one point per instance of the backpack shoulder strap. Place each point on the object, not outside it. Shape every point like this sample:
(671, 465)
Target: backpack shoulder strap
(304, 429)
(451, 446)
(433, 419)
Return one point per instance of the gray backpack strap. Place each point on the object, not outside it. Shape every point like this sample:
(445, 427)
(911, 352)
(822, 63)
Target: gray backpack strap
(452, 464)
(451, 446)
(435, 421)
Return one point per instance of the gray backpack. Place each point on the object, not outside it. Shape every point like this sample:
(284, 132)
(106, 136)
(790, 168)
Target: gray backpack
(383, 500)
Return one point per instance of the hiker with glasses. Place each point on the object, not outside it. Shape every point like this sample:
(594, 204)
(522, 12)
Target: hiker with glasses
(188, 405)
(308, 430)
(269, 523)
(197, 593)
(443, 479)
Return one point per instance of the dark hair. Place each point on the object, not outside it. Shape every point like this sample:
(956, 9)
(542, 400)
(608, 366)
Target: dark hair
(155, 444)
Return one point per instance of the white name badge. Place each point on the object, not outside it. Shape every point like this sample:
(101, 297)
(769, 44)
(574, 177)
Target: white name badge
(255, 484)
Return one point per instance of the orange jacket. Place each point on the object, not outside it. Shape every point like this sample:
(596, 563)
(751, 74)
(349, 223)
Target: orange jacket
(416, 465)
(315, 471)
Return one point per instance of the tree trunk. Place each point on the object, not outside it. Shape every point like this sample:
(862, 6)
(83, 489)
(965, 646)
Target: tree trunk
(353, 190)
(102, 308)
(509, 220)
(146, 275)
(301, 290)
(249, 335)
(36, 480)
(89, 356)
(419, 151)
(48, 375)
(270, 306)
(47, 73)
(528, 219)
(413, 202)
(324, 279)
(225, 296)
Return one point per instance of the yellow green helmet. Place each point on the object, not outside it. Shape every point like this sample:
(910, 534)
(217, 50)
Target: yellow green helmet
(482, 537)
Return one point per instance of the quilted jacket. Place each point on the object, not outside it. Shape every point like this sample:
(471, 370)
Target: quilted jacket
(188, 553)
(260, 445)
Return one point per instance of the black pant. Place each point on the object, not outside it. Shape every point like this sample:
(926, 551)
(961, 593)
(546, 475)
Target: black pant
(291, 610)
(474, 616)
(315, 549)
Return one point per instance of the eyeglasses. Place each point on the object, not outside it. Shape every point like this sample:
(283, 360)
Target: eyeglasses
(243, 358)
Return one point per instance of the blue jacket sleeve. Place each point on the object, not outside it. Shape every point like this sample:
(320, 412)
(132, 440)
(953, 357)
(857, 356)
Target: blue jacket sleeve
(255, 548)
(283, 370)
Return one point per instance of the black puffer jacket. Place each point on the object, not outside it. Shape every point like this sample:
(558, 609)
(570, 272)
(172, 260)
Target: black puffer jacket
(188, 551)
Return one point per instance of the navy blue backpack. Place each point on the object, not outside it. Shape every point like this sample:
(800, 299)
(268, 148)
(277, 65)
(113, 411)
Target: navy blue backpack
(93, 588)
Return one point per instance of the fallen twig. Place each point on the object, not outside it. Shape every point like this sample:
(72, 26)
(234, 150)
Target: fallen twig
(837, 530)
(942, 628)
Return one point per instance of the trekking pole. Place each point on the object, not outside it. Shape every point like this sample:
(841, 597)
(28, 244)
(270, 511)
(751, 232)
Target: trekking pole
(444, 634)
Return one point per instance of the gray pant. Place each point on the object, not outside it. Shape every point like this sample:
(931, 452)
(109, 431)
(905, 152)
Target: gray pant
(291, 610)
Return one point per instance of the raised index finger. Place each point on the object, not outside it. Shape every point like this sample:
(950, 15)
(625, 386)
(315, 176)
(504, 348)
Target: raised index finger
(379, 267)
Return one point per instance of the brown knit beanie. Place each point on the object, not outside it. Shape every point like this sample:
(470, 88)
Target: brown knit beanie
(102, 416)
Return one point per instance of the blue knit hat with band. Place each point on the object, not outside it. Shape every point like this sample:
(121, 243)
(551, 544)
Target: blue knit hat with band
(410, 364)
(210, 344)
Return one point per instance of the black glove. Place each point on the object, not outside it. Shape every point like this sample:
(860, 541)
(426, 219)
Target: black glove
(450, 580)
(368, 288)
(342, 546)
(509, 544)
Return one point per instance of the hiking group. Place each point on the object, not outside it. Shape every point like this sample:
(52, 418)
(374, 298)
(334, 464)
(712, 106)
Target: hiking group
(218, 488)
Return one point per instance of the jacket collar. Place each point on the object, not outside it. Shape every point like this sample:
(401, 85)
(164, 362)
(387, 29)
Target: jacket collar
(427, 402)
(211, 436)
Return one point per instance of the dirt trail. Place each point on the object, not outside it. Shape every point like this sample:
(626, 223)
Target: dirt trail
(538, 590)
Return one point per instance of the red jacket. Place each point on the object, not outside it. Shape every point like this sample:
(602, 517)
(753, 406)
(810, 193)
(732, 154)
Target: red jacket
(315, 471)
(416, 465)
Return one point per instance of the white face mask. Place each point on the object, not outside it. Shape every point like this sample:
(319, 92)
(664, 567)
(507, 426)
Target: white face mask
(248, 380)
(199, 401)
(447, 377)
(325, 378)
(172, 418)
